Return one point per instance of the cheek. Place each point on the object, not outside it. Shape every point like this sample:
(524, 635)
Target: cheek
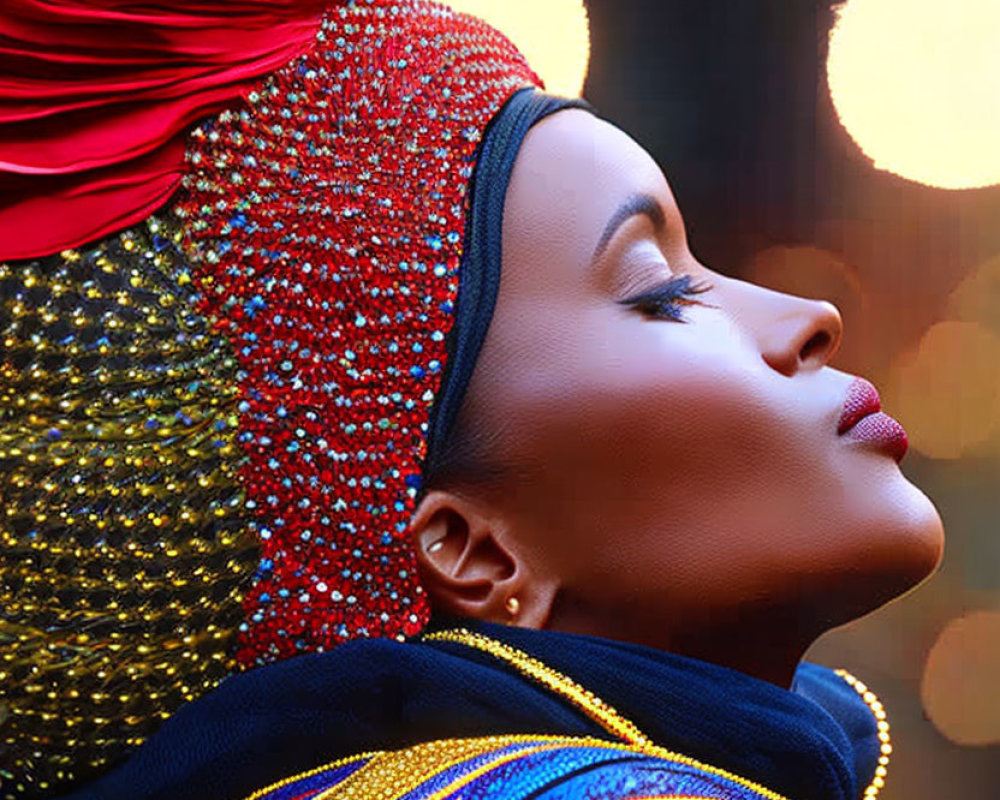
(646, 426)
(633, 394)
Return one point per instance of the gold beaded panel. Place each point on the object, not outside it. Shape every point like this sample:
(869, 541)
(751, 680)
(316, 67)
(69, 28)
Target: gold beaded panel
(123, 549)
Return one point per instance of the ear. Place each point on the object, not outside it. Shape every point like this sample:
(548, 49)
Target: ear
(471, 566)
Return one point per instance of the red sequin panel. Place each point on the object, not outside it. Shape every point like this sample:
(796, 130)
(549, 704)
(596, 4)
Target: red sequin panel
(327, 219)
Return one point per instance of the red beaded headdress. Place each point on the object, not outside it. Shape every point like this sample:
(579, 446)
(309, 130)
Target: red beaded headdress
(326, 219)
(254, 327)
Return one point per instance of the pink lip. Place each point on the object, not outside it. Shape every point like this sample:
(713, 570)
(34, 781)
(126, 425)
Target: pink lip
(862, 416)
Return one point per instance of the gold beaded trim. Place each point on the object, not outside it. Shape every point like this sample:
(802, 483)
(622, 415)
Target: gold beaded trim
(591, 705)
(308, 774)
(393, 774)
(398, 773)
(883, 731)
(595, 708)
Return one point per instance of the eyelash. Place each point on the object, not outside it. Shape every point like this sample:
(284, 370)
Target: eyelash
(664, 300)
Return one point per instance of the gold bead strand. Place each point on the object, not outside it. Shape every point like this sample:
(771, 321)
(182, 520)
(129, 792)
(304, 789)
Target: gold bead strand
(593, 706)
(878, 710)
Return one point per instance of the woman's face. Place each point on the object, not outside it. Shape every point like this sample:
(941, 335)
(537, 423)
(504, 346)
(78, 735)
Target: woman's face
(674, 477)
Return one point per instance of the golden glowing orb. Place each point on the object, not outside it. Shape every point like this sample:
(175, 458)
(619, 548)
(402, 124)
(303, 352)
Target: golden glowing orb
(977, 297)
(916, 83)
(947, 392)
(552, 34)
(959, 682)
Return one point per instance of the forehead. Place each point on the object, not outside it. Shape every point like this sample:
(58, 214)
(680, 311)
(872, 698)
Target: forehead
(572, 172)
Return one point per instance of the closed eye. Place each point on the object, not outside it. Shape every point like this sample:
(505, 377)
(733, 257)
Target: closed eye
(664, 300)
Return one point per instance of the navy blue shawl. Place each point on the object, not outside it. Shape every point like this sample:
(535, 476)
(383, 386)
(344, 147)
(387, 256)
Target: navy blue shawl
(815, 742)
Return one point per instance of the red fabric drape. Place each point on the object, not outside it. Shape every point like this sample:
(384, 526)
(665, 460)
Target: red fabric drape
(96, 97)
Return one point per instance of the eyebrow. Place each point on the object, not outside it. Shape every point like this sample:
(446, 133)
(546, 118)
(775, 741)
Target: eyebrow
(636, 204)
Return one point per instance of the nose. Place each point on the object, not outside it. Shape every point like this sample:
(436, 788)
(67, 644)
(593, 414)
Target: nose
(794, 333)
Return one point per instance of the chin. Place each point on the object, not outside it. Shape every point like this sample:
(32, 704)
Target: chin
(879, 538)
(902, 547)
(924, 546)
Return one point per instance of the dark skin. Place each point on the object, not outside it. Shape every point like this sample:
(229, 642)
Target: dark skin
(676, 484)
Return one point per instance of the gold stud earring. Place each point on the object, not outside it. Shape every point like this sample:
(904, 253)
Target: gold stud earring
(513, 606)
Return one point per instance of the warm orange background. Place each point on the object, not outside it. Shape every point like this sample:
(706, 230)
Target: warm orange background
(730, 97)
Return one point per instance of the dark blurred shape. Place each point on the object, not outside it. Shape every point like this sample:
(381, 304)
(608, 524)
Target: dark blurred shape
(724, 95)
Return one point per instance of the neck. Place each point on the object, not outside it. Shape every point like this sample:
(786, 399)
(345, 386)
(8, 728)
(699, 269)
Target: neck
(767, 644)
(766, 652)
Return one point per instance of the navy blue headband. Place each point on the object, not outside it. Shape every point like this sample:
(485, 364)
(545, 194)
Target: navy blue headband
(479, 272)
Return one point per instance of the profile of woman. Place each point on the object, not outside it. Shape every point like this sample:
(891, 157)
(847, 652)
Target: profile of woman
(369, 429)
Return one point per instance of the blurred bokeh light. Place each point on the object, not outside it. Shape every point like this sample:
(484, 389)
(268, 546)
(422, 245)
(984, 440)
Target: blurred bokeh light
(977, 297)
(946, 393)
(553, 35)
(916, 83)
(959, 687)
